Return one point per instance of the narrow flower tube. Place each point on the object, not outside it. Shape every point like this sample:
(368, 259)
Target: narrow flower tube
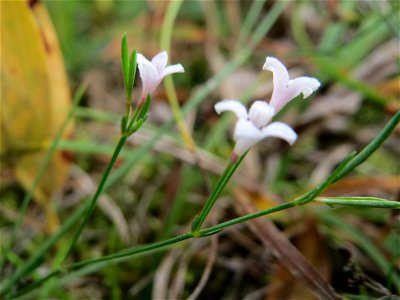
(152, 72)
(286, 89)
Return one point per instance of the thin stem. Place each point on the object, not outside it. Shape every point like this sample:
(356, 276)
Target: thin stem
(93, 201)
(371, 147)
(127, 107)
(351, 162)
(205, 90)
(223, 180)
(358, 201)
(219, 227)
(37, 257)
(133, 251)
(166, 37)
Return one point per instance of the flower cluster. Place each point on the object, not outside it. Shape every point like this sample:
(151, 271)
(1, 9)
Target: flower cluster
(255, 125)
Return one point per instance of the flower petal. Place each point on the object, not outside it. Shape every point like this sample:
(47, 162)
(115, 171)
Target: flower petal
(246, 135)
(280, 79)
(260, 113)
(160, 61)
(148, 74)
(281, 75)
(305, 85)
(232, 105)
(178, 68)
(280, 130)
(285, 89)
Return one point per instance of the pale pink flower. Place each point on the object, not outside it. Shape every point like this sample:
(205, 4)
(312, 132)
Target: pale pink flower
(252, 126)
(286, 89)
(152, 72)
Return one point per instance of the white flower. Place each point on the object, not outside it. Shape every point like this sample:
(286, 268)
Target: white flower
(152, 72)
(285, 89)
(252, 127)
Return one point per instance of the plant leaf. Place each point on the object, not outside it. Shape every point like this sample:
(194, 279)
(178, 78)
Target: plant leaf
(35, 99)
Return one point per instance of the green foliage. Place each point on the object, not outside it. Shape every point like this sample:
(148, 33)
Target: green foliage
(172, 188)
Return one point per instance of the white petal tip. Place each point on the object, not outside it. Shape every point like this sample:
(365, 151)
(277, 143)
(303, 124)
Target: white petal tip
(231, 105)
(292, 140)
(179, 68)
(280, 130)
(140, 57)
(314, 84)
(218, 107)
(270, 62)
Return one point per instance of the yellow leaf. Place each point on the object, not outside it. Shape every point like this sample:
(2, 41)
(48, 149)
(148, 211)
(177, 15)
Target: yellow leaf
(35, 98)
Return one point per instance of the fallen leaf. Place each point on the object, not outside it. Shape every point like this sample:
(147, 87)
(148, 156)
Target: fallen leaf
(35, 99)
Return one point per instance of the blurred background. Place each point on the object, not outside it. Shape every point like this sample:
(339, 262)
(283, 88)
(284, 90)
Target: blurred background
(51, 48)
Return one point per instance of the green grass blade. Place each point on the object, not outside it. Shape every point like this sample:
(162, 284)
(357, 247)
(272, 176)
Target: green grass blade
(371, 147)
(222, 182)
(362, 241)
(358, 201)
(125, 61)
(41, 252)
(249, 22)
(132, 74)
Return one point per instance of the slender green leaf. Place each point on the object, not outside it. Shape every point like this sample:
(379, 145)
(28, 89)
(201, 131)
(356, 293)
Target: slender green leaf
(132, 73)
(359, 201)
(371, 147)
(222, 182)
(145, 108)
(135, 127)
(123, 124)
(34, 260)
(125, 60)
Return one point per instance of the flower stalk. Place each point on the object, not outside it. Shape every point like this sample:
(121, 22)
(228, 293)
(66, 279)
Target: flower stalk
(222, 182)
(151, 74)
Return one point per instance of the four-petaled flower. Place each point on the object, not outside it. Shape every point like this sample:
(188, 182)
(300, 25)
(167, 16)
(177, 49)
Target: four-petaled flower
(152, 72)
(253, 126)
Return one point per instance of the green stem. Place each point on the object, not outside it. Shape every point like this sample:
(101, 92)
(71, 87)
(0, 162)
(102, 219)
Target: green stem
(223, 180)
(93, 202)
(37, 257)
(359, 201)
(134, 251)
(158, 245)
(127, 107)
(263, 28)
(371, 147)
(165, 43)
(203, 232)
(345, 167)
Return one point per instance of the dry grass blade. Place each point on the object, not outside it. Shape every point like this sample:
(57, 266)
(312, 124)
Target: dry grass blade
(206, 274)
(163, 274)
